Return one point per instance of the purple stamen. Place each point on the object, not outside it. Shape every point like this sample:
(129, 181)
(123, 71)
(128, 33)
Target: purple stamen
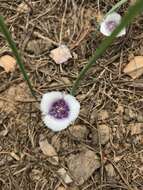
(111, 25)
(59, 109)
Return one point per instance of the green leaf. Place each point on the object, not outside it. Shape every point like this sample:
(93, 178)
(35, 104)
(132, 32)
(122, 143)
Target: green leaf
(116, 6)
(4, 30)
(132, 12)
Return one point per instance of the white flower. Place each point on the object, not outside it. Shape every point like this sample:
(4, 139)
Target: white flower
(110, 23)
(59, 110)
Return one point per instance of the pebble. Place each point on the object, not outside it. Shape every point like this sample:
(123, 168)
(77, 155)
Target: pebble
(82, 165)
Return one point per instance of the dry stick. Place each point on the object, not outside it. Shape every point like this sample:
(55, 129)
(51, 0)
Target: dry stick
(101, 156)
(62, 24)
(82, 37)
(44, 13)
(37, 34)
(112, 186)
(76, 18)
(122, 177)
(121, 2)
(98, 5)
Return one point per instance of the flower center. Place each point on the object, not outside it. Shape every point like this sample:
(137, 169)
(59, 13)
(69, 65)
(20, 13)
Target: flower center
(59, 109)
(111, 25)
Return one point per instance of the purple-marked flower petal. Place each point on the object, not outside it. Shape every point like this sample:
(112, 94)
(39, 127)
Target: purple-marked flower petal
(59, 110)
(110, 23)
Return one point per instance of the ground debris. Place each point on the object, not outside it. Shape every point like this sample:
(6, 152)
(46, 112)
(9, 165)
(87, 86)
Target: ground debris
(82, 165)
(15, 156)
(48, 150)
(135, 67)
(13, 95)
(38, 46)
(40, 28)
(8, 63)
(64, 175)
(79, 131)
(110, 170)
(61, 54)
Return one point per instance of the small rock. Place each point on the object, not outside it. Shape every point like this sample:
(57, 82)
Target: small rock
(103, 114)
(79, 131)
(48, 150)
(82, 165)
(61, 54)
(110, 170)
(64, 175)
(135, 67)
(8, 63)
(104, 133)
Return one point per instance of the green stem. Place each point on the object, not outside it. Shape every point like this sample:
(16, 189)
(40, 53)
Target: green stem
(4, 30)
(121, 2)
(132, 12)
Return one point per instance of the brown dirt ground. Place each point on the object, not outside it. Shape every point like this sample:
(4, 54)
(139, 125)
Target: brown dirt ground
(107, 97)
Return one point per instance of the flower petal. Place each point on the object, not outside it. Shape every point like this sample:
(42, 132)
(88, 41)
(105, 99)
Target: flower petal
(50, 121)
(74, 107)
(111, 17)
(104, 30)
(55, 124)
(48, 99)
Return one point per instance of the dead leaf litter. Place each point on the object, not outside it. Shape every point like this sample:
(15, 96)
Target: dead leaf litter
(103, 148)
